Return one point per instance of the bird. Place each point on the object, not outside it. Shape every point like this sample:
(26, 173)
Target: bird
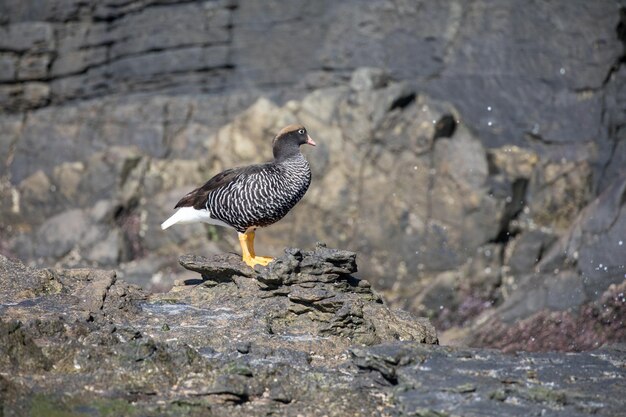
(249, 197)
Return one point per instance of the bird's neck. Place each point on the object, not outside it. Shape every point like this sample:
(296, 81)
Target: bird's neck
(287, 152)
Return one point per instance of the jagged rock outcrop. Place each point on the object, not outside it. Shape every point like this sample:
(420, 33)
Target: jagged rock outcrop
(302, 336)
(309, 297)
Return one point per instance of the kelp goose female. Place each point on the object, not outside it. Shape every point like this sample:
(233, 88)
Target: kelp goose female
(254, 196)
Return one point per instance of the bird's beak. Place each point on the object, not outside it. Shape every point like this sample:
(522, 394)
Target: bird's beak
(310, 141)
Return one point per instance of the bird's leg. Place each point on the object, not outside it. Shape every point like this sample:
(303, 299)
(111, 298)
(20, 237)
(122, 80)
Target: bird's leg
(246, 240)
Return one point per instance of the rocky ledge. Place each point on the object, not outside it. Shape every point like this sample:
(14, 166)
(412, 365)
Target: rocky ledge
(300, 336)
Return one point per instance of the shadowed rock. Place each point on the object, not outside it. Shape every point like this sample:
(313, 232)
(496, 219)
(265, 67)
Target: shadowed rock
(217, 268)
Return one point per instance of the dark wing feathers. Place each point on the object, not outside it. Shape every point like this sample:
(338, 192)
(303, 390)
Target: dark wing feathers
(198, 197)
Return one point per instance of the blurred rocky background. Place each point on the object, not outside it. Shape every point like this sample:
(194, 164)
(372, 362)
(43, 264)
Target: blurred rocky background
(473, 153)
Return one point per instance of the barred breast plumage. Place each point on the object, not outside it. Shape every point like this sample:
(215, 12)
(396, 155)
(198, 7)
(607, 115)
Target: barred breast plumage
(262, 195)
(250, 197)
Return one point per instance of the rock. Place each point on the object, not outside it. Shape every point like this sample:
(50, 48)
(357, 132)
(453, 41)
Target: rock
(107, 251)
(115, 127)
(137, 103)
(61, 233)
(368, 79)
(492, 377)
(240, 350)
(615, 96)
(218, 268)
(440, 293)
(151, 273)
(568, 192)
(525, 251)
(10, 126)
(35, 94)
(24, 36)
(536, 275)
(67, 177)
(453, 43)
(94, 290)
(378, 147)
(308, 291)
(243, 347)
(383, 359)
(455, 298)
(589, 326)
(323, 265)
(167, 28)
(33, 66)
(560, 291)
(513, 161)
(19, 350)
(34, 197)
(20, 283)
(8, 66)
(594, 239)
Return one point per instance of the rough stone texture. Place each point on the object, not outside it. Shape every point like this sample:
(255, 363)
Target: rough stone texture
(110, 111)
(378, 145)
(303, 297)
(582, 264)
(591, 326)
(541, 293)
(518, 74)
(87, 343)
(218, 268)
(484, 382)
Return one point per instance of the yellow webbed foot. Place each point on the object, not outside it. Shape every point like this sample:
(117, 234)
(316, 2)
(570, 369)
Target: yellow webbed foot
(257, 260)
(247, 251)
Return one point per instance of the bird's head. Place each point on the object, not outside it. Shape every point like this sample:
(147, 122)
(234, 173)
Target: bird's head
(287, 142)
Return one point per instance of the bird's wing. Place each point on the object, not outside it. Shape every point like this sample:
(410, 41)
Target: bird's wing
(198, 197)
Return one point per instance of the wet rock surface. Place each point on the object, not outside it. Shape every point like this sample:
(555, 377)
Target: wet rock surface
(303, 336)
(446, 381)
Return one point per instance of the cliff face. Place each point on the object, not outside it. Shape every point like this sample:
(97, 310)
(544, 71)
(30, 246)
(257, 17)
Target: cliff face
(112, 110)
(538, 67)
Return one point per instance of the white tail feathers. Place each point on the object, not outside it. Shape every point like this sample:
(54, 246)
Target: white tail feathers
(169, 222)
(186, 215)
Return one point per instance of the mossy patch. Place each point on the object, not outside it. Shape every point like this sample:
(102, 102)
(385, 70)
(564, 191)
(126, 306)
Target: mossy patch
(43, 405)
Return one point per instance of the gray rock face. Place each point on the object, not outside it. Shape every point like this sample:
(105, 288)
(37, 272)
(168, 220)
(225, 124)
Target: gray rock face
(557, 327)
(379, 147)
(318, 343)
(485, 382)
(582, 264)
(496, 62)
(112, 110)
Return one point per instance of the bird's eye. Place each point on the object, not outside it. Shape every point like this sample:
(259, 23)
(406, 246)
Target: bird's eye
(301, 131)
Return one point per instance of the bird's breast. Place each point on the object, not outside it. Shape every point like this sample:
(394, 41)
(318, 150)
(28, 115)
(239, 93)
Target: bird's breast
(295, 175)
(264, 197)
